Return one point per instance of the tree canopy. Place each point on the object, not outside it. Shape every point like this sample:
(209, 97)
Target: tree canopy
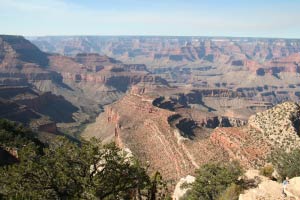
(67, 170)
(286, 163)
(212, 180)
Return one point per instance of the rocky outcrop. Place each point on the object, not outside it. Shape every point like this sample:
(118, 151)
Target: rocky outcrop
(16, 112)
(7, 157)
(136, 124)
(97, 69)
(288, 64)
(27, 116)
(280, 126)
(275, 128)
(184, 105)
(40, 111)
(271, 190)
(22, 62)
(16, 50)
(179, 191)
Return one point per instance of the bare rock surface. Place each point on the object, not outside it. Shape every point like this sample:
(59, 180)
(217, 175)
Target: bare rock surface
(270, 190)
(179, 191)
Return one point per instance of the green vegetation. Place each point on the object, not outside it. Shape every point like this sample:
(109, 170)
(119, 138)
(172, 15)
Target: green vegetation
(215, 180)
(232, 192)
(287, 164)
(15, 135)
(66, 170)
(267, 171)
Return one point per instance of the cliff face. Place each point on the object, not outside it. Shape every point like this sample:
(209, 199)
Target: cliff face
(146, 130)
(21, 61)
(51, 105)
(258, 69)
(173, 48)
(275, 128)
(275, 66)
(66, 89)
(177, 135)
(16, 49)
(40, 111)
(97, 69)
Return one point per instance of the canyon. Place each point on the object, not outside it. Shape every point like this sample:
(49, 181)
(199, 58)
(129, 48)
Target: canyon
(175, 103)
(42, 88)
(262, 69)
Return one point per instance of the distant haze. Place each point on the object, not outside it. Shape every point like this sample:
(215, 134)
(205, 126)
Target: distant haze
(243, 18)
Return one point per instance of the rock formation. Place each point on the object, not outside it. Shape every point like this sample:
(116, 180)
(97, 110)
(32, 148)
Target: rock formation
(179, 192)
(39, 85)
(270, 190)
(134, 123)
(279, 125)
(275, 128)
(185, 102)
(264, 70)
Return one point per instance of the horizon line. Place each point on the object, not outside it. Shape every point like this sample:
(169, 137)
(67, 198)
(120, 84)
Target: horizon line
(135, 35)
(156, 35)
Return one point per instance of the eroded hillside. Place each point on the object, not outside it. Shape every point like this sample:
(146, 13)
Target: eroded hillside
(37, 88)
(176, 138)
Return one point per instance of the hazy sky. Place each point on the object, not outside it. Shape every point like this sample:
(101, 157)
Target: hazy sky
(263, 18)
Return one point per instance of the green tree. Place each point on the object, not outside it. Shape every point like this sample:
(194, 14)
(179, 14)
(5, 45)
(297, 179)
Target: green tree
(158, 188)
(67, 171)
(63, 169)
(15, 135)
(287, 164)
(212, 179)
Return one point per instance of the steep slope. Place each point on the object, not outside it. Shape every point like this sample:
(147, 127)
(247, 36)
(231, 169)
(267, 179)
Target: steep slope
(275, 128)
(22, 65)
(66, 90)
(280, 126)
(21, 62)
(16, 50)
(40, 111)
(184, 137)
(152, 135)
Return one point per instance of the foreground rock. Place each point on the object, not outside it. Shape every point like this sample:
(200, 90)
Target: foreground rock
(180, 192)
(271, 190)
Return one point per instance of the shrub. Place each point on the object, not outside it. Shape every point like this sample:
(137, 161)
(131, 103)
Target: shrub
(213, 179)
(267, 171)
(231, 193)
(287, 164)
